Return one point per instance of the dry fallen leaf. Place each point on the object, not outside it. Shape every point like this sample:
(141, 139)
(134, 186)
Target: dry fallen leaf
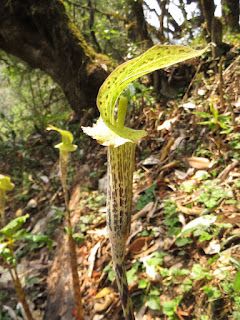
(181, 175)
(190, 211)
(104, 303)
(200, 175)
(139, 244)
(206, 221)
(166, 148)
(143, 212)
(92, 257)
(213, 247)
(199, 163)
(151, 161)
(189, 105)
(170, 165)
(103, 293)
(19, 213)
(167, 124)
(141, 312)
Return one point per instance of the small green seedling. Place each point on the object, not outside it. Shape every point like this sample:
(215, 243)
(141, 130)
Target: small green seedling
(147, 196)
(198, 272)
(9, 235)
(170, 307)
(216, 122)
(121, 141)
(65, 147)
(110, 272)
(5, 185)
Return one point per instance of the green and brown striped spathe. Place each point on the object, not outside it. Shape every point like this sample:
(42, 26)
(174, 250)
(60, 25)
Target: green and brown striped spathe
(119, 202)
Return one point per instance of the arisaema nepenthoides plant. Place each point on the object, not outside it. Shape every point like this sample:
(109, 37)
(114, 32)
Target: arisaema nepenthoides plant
(5, 185)
(121, 141)
(65, 147)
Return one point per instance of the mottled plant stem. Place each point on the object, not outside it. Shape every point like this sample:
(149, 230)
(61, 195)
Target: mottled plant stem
(119, 202)
(18, 286)
(221, 83)
(71, 242)
(21, 295)
(2, 206)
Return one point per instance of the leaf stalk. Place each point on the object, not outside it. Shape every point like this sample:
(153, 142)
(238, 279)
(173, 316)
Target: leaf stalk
(71, 242)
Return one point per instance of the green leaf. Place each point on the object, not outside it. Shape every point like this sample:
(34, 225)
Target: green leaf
(111, 273)
(227, 131)
(131, 277)
(155, 292)
(3, 246)
(212, 292)
(153, 302)
(19, 234)
(165, 272)
(199, 272)
(169, 308)
(157, 57)
(205, 123)
(223, 125)
(79, 238)
(236, 315)
(187, 285)
(14, 225)
(236, 282)
(181, 242)
(214, 111)
(205, 236)
(38, 238)
(142, 284)
(147, 196)
(7, 256)
(179, 272)
(156, 260)
(203, 114)
(172, 305)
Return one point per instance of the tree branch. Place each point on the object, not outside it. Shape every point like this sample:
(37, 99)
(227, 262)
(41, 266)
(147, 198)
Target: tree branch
(41, 34)
(105, 13)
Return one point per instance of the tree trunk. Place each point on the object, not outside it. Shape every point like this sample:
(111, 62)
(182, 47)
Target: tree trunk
(91, 27)
(138, 26)
(162, 5)
(41, 34)
(208, 8)
(216, 38)
(213, 26)
(230, 11)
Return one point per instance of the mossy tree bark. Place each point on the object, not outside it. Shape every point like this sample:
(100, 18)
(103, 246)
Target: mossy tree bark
(137, 25)
(41, 34)
(208, 8)
(230, 9)
(214, 27)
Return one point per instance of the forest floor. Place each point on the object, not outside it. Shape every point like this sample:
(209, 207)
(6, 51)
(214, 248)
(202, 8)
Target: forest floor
(183, 252)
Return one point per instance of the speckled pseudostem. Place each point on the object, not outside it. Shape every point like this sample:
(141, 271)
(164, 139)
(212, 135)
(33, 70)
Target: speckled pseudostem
(119, 201)
(2, 207)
